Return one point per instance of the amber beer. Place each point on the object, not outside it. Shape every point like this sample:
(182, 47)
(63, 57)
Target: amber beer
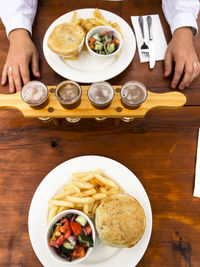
(35, 94)
(133, 94)
(100, 94)
(68, 94)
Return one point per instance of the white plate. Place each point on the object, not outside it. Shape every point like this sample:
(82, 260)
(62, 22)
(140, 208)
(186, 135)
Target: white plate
(101, 255)
(88, 69)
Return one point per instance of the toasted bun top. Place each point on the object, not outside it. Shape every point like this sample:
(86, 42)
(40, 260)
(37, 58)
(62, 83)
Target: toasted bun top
(120, 221)
(65, 39)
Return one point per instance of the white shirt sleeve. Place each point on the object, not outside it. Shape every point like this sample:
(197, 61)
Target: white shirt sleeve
(18, 14)
(181, 13)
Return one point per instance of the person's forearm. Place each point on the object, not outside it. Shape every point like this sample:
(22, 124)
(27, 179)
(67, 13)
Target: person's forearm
(18, 14)
(18, 33)
(181, 13)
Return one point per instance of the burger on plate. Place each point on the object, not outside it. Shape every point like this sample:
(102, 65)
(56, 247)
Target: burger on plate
(120, 221)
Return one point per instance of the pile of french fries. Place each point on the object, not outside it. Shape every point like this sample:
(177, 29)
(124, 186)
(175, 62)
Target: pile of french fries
(84, 192)
(98, 20)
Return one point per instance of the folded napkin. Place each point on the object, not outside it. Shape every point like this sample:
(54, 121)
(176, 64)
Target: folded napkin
(196, 192)
(158, 37)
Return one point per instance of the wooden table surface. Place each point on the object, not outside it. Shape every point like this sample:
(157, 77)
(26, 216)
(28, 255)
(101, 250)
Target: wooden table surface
(159, 149)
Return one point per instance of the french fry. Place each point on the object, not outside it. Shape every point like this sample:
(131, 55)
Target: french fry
(79, 205)
(61, 203)
(86, 193)
(96, 204)
(79, 199)
(99, 196)
(71, 191)
(80, 174)
(103, 190)
(98, 15)
(73, 19)
(52, 213)
(117, 27)
(59, 196)
(61, 209)
(84, 185)
(68, 186)
(113, 189)
(105, 181)
(78, 22)
(76, 189)
(84, 178)
(86, 208)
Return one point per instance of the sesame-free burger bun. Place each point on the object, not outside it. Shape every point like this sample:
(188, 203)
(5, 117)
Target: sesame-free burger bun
(120, 221)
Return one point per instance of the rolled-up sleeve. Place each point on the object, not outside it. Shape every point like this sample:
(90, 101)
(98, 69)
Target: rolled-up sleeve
(18, 14)
(181, 13)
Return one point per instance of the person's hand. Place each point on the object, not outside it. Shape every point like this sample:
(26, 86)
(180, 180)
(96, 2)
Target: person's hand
(181, 51)
(21, 54)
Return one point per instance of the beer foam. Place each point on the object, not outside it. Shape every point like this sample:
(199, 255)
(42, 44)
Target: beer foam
(133, 94)
(68, 92)
(100, 93)
(34, 93)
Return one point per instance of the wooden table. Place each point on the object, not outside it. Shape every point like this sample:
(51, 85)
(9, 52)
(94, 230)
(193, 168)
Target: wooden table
(159, 149)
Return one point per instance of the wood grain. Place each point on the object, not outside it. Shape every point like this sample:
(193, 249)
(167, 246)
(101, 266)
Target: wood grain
(159, 149)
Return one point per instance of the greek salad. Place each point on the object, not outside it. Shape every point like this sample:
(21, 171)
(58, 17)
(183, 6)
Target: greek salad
(71, 237)
(105, 43)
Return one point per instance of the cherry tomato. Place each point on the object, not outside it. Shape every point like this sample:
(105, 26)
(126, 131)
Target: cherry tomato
(88, 230)
(61, 239)
(91, 46)
(92, 40)
(79, 252)
(116, 41)
(76, 228)
(68, 233)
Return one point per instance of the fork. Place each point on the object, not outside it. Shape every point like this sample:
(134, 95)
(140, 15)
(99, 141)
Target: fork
(144, 48)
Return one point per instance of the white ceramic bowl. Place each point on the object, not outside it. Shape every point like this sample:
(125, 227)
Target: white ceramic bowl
(101, 29)
(51, 250)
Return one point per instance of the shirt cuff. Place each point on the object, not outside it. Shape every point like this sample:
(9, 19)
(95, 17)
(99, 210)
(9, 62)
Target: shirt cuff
(16, 22)
(184, 20)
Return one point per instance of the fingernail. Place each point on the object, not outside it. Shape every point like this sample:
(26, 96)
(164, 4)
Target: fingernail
(37, 73)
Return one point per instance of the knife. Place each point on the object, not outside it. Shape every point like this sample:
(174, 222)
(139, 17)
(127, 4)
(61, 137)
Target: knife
(196, 192)
(151, 44)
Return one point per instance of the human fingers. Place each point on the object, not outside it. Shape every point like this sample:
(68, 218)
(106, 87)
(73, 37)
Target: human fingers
(179, 68)
(17, 78)
(35, 65)
(4, 75)
(11, 80)
(24, 70)
(168, 63)
(191, 72)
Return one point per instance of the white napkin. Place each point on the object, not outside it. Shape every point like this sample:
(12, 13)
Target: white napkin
(158, 37)
(196, 192)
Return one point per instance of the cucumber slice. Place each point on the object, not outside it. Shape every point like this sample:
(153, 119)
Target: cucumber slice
(67, 247)
(81, 220)
(86, 240)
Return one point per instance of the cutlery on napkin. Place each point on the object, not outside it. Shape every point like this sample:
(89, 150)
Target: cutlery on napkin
(160, 44)
(151, 43)
(196, 192)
